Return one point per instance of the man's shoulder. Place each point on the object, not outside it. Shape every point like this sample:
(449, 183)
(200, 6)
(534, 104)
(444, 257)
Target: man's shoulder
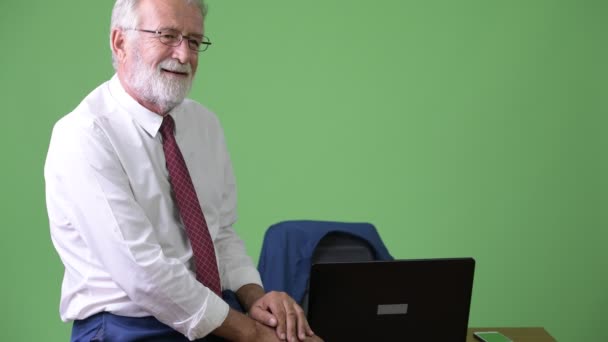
(94, 107)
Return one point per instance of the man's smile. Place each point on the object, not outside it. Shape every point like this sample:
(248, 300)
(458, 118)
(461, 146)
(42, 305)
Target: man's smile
(175, 72)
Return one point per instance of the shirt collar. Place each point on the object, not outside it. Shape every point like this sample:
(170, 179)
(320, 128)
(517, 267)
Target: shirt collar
(147, 119)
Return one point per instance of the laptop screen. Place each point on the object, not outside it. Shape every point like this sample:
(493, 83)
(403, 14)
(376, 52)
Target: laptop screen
(398, 300)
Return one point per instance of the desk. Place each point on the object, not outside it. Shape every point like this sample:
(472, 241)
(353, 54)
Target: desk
(516, 334)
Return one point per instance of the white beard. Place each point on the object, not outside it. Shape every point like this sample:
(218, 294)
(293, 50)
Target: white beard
(155, 87)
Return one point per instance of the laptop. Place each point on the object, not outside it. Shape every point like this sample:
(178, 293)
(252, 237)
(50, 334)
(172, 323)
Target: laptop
(398, 300)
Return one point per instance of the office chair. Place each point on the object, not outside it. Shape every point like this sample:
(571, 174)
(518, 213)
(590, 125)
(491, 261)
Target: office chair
(291, 247)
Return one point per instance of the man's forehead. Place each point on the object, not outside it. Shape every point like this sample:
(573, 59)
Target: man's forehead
(171, 14)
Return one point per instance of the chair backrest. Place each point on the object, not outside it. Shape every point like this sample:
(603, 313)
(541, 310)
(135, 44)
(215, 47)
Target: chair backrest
(291, 247)
(339, 247)
(342, 247)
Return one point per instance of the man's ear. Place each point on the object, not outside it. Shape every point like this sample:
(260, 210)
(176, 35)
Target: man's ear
(117, 43)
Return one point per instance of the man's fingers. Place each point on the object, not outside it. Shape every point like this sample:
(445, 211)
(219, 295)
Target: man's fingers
(263, 316)
(303, 327)
(278, 310)
(291, 320)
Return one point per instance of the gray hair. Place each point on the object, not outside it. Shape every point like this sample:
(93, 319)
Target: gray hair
(124, 15)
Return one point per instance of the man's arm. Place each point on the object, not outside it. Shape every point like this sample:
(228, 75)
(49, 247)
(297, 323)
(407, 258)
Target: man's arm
(275, 309)
(240, 328)
(88, 188)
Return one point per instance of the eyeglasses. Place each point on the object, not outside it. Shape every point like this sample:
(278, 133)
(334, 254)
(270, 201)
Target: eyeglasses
(170, 37)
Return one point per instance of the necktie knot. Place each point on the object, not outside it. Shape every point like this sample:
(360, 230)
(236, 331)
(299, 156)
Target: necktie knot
(167, 127)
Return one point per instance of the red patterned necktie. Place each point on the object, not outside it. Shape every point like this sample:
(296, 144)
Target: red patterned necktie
(190, 210)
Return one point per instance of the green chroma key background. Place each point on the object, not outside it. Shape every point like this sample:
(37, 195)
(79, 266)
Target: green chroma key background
(459, 128)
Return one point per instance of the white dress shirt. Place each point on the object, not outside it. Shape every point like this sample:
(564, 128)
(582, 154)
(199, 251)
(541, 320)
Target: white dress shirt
(115, 224)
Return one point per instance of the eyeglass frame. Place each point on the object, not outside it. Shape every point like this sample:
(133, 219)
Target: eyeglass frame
(180, 37)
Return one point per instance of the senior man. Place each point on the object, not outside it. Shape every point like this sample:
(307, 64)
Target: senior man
(141, 199)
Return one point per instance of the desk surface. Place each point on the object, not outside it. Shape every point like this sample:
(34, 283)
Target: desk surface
(516, 334)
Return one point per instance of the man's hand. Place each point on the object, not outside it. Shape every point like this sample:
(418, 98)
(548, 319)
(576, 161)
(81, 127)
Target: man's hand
(276, 310)
(267, 334)
(264, 333)
(279, 310)
(240, 328)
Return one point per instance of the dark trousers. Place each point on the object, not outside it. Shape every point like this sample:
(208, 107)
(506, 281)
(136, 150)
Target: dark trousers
(107, 327)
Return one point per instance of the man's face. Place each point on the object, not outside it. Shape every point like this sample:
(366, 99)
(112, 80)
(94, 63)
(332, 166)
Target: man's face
(158, 73)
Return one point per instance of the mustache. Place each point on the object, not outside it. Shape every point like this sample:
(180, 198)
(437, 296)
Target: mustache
(174, 65)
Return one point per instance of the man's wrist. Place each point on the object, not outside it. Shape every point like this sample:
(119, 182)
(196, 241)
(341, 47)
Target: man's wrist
(249, 294)
(237, 327)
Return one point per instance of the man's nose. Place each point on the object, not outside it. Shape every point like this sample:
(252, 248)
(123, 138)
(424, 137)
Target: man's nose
(182, 52)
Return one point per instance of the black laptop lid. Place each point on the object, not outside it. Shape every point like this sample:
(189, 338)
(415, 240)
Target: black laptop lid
(399, 300)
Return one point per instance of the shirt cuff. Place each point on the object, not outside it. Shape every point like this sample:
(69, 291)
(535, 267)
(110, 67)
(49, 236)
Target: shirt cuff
(209, 318)
(236, 278)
